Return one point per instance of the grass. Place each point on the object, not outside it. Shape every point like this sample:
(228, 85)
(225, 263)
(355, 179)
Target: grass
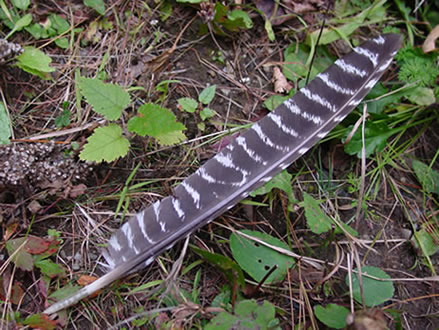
(380, 196)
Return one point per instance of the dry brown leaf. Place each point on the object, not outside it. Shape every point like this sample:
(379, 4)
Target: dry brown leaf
(281, 85)
(429, 44)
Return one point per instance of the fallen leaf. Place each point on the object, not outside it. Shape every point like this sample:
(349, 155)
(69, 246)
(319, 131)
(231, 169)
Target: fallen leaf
(36, 245)
(40, 321)
(281, 85)
(77, 190)
(16, 295)
(10, 230)
(429, 44)
(34, 207)
(86, 280)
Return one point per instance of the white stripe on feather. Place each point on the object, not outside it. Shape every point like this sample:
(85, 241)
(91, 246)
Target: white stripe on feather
(278, 121)
(318, 99)
(240, 140)
(333, 85)
(349, 68)
(373, 57)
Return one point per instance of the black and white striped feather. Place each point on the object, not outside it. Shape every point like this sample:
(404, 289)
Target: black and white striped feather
(252, 159)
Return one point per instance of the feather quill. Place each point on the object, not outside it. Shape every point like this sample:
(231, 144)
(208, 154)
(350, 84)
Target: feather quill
(252, 159)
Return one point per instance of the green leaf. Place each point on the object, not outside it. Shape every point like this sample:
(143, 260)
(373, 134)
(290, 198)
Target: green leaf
(428, 177)
(257, 259)
(106, 99)
(34, 61)
(374, 14)
(98, 5)
(207, 113)
(20, 257)
(191, 1)
(426, 240)
(249, 314)
(227, 265)
(50, 268)
(206, 96)
(20, 24)
(295, 59)
(274, 101)
(5, 128)
(319, 222)
(105, 144)
(316, 220)
(63, 119)
(281, 181)
(21, 4)
(241, 18)
(188, 104)
(421, 96)
(269, 29)
(333, 316)
(375, 292)
(40, 321)
(64, 292)
(376, 136)
(157, 122)
(59, 24)
(62, 43)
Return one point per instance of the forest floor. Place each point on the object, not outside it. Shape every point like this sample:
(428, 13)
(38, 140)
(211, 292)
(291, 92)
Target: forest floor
(64, 211)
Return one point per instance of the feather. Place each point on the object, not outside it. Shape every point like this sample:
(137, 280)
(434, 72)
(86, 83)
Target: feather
(252, 159)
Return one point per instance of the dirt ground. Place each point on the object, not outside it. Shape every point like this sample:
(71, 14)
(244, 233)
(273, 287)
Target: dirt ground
(244, 81)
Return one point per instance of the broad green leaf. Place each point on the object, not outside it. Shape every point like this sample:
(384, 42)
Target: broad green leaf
(63, 119)
(206, 96)
(49, 268)
(421, 96)
(376, 136)
(257, 259)
(249, 314)
(62, 43)
(207, 113)
(59, 24)
(427, 240)
(157, 122)
(64, 292)
(274, 101)
(428, 177)
(105, 144)
(5, 129)
(378, 106)
(106, 99)
(229, 267)
(242, 16)
(98, 5)
(21, 4)
(375, 292)
(20, 24)
(295, 63)
(21, 258)
(281, 181)
(316, 219)
(333, 316)
(34, 61)
(188, 104)
(40, 321)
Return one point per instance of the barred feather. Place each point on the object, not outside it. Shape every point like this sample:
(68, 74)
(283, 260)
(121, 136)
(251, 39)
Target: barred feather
(252, 159)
